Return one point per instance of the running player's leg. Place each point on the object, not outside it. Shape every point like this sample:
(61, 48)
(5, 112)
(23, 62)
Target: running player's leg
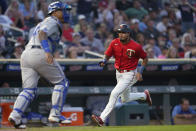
(123, 83)
(29, 79)
(128, 96)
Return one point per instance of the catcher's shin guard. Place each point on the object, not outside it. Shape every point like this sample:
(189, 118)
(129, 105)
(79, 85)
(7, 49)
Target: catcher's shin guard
(23, 100)
(58, 98)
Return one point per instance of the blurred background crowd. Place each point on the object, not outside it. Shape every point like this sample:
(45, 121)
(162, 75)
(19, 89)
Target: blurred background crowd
(165, 28)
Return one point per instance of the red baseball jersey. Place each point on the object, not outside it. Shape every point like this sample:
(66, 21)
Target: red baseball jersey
(126, 55)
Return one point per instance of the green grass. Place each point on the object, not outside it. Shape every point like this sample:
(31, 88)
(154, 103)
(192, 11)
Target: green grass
(111, 128)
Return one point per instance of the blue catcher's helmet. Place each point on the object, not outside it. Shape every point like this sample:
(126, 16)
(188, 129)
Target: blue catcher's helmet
(58, 5)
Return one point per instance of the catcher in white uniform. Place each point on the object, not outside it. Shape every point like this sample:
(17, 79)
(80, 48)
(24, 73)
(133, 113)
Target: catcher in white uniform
(37, 60)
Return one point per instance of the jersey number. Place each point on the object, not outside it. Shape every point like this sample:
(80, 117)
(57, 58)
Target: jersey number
(36, 30)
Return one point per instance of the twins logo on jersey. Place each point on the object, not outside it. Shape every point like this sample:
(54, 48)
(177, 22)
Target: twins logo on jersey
(130, 53)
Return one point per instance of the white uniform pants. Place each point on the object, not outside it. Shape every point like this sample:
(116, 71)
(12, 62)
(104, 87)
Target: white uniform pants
(124, 82)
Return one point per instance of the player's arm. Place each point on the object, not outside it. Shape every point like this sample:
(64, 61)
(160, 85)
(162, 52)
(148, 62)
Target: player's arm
(144, 62)
(104, 61)
(140, 69)
(108, 54)
(45, 46)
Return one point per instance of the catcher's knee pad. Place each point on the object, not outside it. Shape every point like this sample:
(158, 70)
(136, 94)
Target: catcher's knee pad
(64, 82)
(24, 98)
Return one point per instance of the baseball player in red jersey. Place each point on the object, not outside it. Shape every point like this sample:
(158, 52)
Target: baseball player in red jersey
(127, 54)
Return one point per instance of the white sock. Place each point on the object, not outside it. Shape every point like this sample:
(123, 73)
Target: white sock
(136, 96)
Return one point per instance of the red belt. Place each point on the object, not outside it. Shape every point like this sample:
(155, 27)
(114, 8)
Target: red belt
(123, 71)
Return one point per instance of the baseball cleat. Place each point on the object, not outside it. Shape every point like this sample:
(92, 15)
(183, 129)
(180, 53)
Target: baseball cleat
(16, 124)
(148, 98)
(61, 119)
(97, 120)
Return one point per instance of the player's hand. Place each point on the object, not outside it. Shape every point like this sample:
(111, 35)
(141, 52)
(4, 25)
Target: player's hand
(102, 64)
(49, 58)
(139, 76)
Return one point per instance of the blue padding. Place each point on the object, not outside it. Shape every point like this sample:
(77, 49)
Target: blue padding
(25, 97)
(61, 83)
(53, 45)
(18, 110)
(65, 92)
(29, 94)
(57, 90)
(55, 106)
(45, 45)
(64, 82)
(64, 97)
(67, 83)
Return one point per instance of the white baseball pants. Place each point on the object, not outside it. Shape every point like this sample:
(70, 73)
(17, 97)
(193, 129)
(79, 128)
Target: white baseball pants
(124, 82)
